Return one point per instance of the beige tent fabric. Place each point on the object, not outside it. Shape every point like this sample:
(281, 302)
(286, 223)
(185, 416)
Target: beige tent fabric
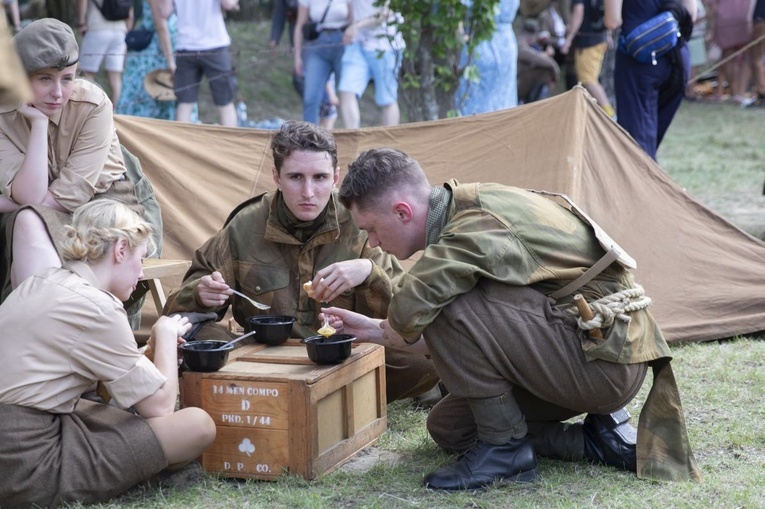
(705, 275)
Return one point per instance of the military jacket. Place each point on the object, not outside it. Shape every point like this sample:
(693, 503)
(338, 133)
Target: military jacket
(519, 238)
(257, 256)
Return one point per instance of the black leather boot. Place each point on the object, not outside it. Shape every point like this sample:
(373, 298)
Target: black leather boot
(486, 464)
(610, 440)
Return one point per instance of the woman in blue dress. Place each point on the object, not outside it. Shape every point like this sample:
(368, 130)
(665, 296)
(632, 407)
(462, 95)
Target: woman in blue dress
(159, 54)
(497, 62)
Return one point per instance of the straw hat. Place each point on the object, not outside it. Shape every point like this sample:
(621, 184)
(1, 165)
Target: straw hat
(159, 85)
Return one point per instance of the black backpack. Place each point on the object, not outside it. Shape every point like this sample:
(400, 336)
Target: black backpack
(115, 10)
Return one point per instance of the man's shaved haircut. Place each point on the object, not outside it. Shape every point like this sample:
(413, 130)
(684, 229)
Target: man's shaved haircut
(376, 173)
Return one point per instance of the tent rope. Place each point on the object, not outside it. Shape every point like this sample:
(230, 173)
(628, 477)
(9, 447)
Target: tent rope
(612, 307)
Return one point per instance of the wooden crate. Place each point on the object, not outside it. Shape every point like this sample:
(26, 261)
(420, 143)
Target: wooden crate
(276, 410)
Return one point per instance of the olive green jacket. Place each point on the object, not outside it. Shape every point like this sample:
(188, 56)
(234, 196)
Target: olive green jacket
(257, 256)
(521, 238)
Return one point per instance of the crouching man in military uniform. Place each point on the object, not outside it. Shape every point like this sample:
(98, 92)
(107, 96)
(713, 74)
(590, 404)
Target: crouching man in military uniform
(492, 300)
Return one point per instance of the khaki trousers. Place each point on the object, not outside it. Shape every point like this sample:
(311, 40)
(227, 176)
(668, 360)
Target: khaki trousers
(92, 454)
(500, 338)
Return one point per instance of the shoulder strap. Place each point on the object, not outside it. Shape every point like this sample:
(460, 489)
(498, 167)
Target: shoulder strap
(325, 12)
(100, 7)
(607, 259)
(137, 12)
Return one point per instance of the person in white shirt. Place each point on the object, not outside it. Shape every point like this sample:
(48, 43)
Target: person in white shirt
(103, 42)
(373, 52)
(202, 48)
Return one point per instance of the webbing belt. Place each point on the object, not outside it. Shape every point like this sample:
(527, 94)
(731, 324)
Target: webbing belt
(598, 267)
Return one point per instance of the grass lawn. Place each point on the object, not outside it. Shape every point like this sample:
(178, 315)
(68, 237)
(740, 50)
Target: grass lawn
(715, 152)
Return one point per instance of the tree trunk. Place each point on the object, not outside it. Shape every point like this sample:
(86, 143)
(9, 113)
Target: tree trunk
(424, 96)
(428, 77)
(63, 10)
(418, 90)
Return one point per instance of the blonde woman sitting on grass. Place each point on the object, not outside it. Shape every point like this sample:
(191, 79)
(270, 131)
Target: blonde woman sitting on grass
(64, 330)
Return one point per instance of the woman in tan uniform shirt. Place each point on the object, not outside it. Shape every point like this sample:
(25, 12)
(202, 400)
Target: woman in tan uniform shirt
(58, 151)
(65, 329)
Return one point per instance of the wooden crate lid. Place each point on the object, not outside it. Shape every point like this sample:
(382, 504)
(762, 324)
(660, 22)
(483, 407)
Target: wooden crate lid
(287, 361)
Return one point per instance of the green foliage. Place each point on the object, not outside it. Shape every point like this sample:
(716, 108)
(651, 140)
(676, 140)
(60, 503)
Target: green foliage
(436, 35)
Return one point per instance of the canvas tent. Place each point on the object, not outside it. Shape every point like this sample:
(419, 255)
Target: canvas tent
(705, 275)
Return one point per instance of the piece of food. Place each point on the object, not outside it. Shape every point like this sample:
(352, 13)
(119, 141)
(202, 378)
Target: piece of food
(307, 287)
(326, 330)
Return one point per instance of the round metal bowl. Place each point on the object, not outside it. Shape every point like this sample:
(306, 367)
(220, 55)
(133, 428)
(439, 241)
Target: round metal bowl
(206, 355)
(332, 350)
(270, 329)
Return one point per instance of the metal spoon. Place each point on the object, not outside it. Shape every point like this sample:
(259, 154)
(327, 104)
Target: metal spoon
(242, 337)
(253, 302)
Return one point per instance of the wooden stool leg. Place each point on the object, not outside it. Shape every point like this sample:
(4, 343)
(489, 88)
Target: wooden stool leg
(155, 285)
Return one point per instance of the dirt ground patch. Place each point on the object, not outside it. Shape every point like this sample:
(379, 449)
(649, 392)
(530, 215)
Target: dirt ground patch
(368, 458)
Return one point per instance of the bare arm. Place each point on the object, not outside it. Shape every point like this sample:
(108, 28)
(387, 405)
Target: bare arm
(372, 330)
(30, 185)
(278, 19)
(612, 17)
(691, 7)
(374, 19)
(229, 5)
(164, 8)
(82, 20)
(302, 19)
(574, 24)
(159, 14)
(165, 334)
(368, 22)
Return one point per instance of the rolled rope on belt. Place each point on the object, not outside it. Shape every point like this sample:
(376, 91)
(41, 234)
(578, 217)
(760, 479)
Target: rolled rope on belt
(614, 306)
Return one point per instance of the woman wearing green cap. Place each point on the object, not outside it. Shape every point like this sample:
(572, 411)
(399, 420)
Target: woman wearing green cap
(59, 151)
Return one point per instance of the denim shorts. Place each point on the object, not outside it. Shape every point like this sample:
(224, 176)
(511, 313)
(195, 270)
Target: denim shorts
(215, 64)
(359, 66)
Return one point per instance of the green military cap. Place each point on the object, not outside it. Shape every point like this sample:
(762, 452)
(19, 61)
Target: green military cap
(46, 43)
